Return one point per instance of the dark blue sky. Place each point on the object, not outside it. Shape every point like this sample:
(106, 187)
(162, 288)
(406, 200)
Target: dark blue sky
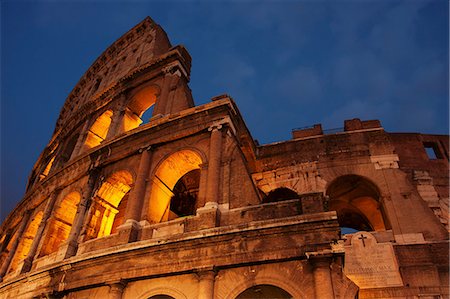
(287, 64)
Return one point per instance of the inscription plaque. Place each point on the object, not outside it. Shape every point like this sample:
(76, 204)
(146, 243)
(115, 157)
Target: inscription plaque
(370, 264)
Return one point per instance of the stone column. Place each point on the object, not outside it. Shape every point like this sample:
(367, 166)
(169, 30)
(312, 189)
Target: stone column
(27, 263)
(136, 199)
(323, 285)
(215, 158)
(117, 119)
(128, 231)
(202, 185)
(14, 246)
(116, 290)
(206, 284)
(72, 241)
(163, 100)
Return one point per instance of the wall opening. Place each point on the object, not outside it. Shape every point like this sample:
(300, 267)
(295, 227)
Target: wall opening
(26, 240)
(99, 129)
(60, 223)
(175, 187)
(140, 107)
(280, 194)
(357, 203)
(432, 150)
(107, 205)
(264, 291)
(161, 297)
(185, 192)
(47, 169)
(66, 154)
(7, 241)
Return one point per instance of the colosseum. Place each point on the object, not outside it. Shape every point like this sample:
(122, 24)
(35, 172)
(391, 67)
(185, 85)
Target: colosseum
(186, 204)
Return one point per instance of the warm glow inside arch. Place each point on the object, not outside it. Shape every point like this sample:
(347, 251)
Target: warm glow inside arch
(99, 129)
(26, 240)
(142, 101)
(356, 201)
(108, 205)
(47, 169)
(169, 172)
(60, 223)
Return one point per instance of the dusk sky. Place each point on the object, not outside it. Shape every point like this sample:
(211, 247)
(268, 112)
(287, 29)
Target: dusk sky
(287, 64)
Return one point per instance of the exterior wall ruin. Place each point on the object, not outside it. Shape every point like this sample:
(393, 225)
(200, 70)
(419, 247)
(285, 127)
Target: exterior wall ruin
(188, 205)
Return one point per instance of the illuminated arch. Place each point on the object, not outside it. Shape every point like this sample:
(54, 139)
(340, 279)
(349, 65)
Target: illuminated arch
(169, 172)
(99, 129)
(60, 223)
(139, 103)
(357, 203)
(47, 168)
(107, 204)
(26, 240)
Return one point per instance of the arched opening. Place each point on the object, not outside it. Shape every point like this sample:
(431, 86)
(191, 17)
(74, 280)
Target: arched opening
(140, 107)
(184, 199)
(280, 194)
(6, 244)
(264, 291)
(356, 201)
(99, 129)
(107, 205)
(175, 187)
(60, 223)
(26, 240)
(161, 297)
(47, 168)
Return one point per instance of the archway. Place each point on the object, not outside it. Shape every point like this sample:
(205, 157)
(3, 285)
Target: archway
(47, 168)
(357, 203)
(139, 109)
(60, 223)
(99, 129)
(280, 194)
(26, 240)
(264, 291)
(161, 297)
(175, 187)
(108, 205)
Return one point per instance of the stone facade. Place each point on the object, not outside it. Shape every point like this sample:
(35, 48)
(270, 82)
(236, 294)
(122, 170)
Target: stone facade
(187, 205)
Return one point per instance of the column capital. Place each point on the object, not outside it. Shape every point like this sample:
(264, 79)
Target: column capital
(145, 149)
(215, 127)
(220, 123)
(320, 259)
(175, 69)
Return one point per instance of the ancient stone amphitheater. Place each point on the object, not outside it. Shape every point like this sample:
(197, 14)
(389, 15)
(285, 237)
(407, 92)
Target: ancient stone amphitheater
(142, 194)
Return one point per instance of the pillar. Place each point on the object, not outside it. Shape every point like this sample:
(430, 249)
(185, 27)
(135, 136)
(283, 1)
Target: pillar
(72, 241)
(323, 285)
(12, 252)
(136, 199)
(117, 119)
(206, 284)
(202, 184)
(27, 263)
(128, 231)
(116, 290)
(215, 158)
(167, 86)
